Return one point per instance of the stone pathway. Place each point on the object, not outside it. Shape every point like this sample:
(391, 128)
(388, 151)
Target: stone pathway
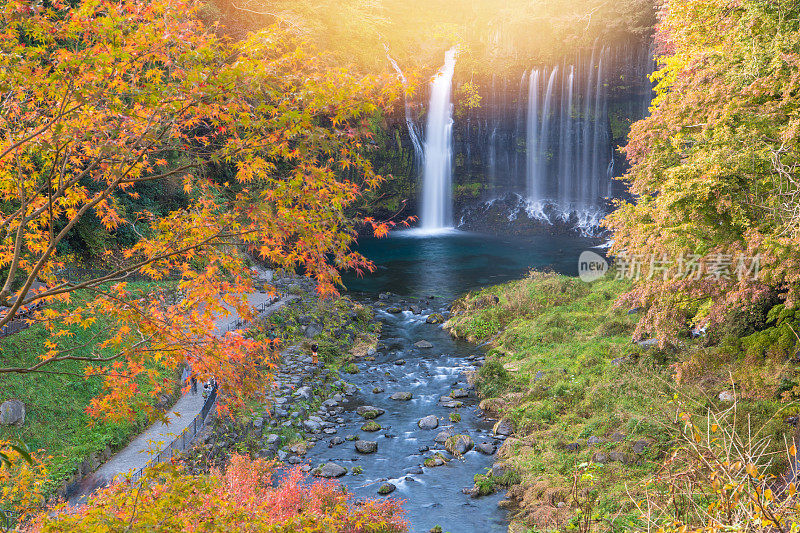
(159, 435)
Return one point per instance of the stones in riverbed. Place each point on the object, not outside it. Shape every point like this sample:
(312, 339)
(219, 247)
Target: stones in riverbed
(442, 437)
(435, 460)
(429, 422)
(377, 390)
(386, 488)
(351, 437)
(486, 448)
(503, 427)
(459, 393)
(369, 412)
(423, 344)
(400, 362)
(434, 318)
(459, 444)
(366, 446)
(401, 396)
(447, 401)
(329, 470)
(394, 310)
(371, 426)
(335, 441)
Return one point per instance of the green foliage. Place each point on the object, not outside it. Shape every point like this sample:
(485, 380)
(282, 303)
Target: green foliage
(714, 168)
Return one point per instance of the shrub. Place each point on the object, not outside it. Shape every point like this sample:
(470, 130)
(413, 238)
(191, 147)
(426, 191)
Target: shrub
(246, 497)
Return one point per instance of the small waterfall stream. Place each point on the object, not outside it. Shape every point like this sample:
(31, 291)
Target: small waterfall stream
(437, 176)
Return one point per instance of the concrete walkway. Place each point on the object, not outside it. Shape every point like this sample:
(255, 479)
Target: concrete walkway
(159, 435)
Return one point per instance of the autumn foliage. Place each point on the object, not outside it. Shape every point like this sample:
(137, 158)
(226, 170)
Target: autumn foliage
(267, 141)
(715, 167)
(250, 495)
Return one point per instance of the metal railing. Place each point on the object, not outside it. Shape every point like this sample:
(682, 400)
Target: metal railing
(184, 440)
(240, 324)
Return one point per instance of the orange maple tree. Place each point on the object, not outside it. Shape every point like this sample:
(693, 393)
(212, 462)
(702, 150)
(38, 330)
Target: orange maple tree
(250, 495)
(99, 99)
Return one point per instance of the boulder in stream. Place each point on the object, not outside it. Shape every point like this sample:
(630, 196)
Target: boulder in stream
(429, 422)
(366, 446)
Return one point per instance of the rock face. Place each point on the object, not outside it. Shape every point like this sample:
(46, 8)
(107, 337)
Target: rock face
(366, 446)
(429, 422)
(423, 344)
(12, 413)
(329, 470)
(401, 396)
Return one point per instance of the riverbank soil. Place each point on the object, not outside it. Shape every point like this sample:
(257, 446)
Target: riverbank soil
(599, 426)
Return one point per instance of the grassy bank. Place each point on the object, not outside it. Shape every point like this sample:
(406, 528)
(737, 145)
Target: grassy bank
(57, 427)
(595, 415)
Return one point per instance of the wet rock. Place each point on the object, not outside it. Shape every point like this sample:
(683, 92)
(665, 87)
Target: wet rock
(503, 427)
(459, 393)
(401, 396)
(369, 412)
(336, 441)
(400, 362)
(447, 401)
(428, 422)
(394, 310)
(434, 461)
(273, 439)
(459, 444)
(351, 437)
(486, 448)
(384, 295)
(312, 425)
(299, 448)
(371, 426)
(377, 390)
(294, 460)
(442, 437)
(434, 318)
(423, 344)
(415, 470)
(329, 470)
(366, 446)
(386, 488)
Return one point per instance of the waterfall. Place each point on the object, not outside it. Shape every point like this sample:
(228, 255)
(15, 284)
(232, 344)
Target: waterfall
(569, 154)
(566, 193)
(532, 138)
(413, 132)
(437, 174)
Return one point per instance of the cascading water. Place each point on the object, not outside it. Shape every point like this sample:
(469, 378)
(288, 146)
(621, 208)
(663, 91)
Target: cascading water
(568, 168)
(437, 175)
(413, 133)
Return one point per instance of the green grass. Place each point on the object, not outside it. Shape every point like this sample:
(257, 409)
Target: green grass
(57, 425)
(563, 368)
